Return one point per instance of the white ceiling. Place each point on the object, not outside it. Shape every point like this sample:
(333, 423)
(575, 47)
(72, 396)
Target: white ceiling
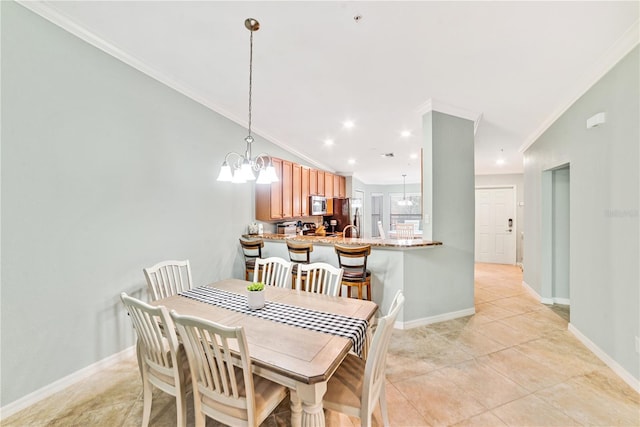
(517, 64)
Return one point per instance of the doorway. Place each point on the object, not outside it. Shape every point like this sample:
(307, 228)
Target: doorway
(495, 235)
(556, 235)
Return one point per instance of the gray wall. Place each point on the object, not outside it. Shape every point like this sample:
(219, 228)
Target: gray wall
(518, 181)
(104, 171)
(604, 231)
(448, 163)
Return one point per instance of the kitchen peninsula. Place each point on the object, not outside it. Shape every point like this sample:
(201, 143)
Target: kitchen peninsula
(394, 265)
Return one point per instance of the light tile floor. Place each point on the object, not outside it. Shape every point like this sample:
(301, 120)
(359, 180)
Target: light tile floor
(513, 363)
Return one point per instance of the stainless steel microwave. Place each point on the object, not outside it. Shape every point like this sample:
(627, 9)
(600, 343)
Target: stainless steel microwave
(318, 205)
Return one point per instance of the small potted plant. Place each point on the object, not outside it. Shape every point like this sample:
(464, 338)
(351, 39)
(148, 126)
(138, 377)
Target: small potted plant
(255, 296)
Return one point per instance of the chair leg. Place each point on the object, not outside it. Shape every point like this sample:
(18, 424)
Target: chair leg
(369, 290)
(360, 291)
(200, 417)
(383, 407)
(147, 397)
(181, 406)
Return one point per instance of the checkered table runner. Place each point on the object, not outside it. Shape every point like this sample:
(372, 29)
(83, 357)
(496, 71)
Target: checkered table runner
(344, 326)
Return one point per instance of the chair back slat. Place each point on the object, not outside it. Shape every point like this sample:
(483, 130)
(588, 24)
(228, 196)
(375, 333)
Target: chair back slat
(319, 277)
(221, 367)
(273, 271)
(168, 278)
(299, 252)
(161, 358)
(374, 372)
(252, 248)
(404, 231)
(353, 259)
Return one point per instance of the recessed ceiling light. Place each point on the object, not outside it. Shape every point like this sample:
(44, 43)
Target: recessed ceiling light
(329, 141)
(348, 124)
(351, 161)
(413, 156)
(500, 162)
(405, 133)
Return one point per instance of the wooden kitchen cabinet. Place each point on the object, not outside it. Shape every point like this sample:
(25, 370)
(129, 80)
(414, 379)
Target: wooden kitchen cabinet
(328, 185)
(269, 197)
(287, 189)
(313, 182)
(321, 183)
(305, 174)
(300, 190)
(289, 197)
(342, 186)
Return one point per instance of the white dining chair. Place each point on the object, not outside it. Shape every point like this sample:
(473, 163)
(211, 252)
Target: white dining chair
(381, 230)
(168, 278)
(319, 277)
(225, 388)
(161, 359)
(404, 231)
(357, 385)
(273, 271)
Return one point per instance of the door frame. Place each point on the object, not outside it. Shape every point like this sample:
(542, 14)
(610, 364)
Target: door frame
(514, 188)
(547, 258)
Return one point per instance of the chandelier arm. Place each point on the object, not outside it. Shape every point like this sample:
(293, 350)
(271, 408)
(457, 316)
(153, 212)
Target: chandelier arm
(260, 161)
(240, 157)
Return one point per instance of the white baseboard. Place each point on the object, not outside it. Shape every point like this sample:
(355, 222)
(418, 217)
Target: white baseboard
(61, 384)
(633, 382)
(536, 294)
(435, 319)
(562, 301)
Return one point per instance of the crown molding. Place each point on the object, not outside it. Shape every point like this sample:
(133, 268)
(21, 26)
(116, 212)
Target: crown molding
(48, 12)
(442, 107)
(629, 40)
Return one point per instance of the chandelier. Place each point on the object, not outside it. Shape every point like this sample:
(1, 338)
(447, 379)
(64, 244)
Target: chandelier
(245, 166)
(404, 201)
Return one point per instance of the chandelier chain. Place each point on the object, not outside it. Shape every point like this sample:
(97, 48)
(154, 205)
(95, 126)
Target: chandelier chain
(250, 77)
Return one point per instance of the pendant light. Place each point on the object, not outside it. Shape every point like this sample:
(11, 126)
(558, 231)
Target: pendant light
(404, 201)
(245, 166)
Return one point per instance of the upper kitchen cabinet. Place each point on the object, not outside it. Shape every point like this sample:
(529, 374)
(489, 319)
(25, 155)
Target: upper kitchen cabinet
(313, 182)
(289, 197)
(321, 183)
(339, 186)
(275, 201)
(305, 175)
(269, 197)
(328, 185)
(300, 190)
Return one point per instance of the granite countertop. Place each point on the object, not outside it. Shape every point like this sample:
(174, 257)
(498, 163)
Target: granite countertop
(331, 240)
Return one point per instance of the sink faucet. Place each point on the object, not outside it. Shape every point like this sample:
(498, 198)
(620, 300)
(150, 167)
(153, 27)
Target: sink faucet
(351, 226)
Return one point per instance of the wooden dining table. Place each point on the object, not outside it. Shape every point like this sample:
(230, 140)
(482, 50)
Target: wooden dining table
(301, 359)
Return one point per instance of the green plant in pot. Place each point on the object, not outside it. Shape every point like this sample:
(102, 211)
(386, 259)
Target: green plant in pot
(255, 296)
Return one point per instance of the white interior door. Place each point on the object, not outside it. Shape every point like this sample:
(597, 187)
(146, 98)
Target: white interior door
(496, 225)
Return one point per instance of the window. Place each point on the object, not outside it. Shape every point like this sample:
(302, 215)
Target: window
(400, 213)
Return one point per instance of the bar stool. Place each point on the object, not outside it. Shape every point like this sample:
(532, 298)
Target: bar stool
(299, 253)
(252, 250)
(353, 260)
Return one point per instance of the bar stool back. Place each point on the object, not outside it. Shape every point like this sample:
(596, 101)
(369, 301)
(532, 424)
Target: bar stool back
(252, 250)
(299, 253)
(353, 260)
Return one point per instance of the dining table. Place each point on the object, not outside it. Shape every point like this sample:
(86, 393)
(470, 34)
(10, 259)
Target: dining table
(294, 350)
